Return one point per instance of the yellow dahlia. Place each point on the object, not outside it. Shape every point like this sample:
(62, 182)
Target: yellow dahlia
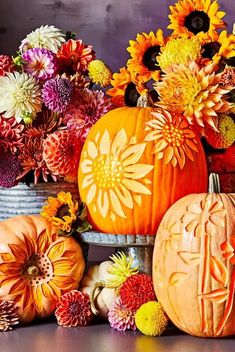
(179, 51)
(61, 211)
(195, 92)
(194, 16)
(126, 88)
(216, 46)
(144, 51)
(100, 73)
(174, 140)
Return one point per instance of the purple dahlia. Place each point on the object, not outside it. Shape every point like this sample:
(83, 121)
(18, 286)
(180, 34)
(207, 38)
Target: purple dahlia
(10, 169)
(57, 93)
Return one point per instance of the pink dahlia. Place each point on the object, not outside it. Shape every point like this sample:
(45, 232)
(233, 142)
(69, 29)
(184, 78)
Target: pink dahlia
(40, 63)
(85, 108)
(57, 93)
(120, 317)
(10, 134)
(10, 169)
(6, 64)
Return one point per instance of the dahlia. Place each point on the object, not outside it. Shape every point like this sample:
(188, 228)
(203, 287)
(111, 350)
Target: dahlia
(137, 290)
(47, 120)
(47, 37)
(120, 317)
(73, 309)
(228, 76)
(151, 319)
(10, 169)
(225, 136)
(75, 56)
(61, 152)
(179, 51)
(56, 94)
(6, 64)
(100, 73)
(40, 63)
(8, 315)
(194, 92)
(85, 108)
(20, 94)
(10, 135)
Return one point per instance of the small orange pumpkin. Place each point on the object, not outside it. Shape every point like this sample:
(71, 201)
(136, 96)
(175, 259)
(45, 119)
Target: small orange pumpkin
(194, 264)
(135, 163)
(36, 266)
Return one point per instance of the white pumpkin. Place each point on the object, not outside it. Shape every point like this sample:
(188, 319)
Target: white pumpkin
(93, 283)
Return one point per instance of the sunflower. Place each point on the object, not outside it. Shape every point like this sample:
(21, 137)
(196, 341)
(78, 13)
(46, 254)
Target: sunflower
(112, 174)
(61, 211)
(191, 17)
(126, 88)
(217, 46)
(194, 92)
(144, 52)
(174, 141)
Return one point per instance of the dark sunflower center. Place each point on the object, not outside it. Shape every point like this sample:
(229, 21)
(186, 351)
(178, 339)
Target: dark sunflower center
(149, 58)
(63, 210)
(230, 61)
(197, 21)
(74, 308)
(131, 95)
(210, 49)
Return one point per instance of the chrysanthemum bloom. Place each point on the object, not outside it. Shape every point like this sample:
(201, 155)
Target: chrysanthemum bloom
(47, 37)
(61, 152)
(61, 211)
(57, 93)
(10, 134)
(179, 51)
(194, 92)
(137, 290)
(75, 56)
(6, 64)
(225, 136)
(126, 88)
(151, 319)
(85, 108)
(74, 309)
(10, 169)
(144, 52)
(100, 73)
(191, 17)
(217, 46)
(40, 63)
(20, 94)
(120, 317)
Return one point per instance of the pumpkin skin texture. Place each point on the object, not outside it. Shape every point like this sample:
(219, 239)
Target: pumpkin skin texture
(127, 179)
(36, 265)
(194, 264)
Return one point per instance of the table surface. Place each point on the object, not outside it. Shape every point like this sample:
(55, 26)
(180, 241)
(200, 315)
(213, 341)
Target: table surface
(101, 338)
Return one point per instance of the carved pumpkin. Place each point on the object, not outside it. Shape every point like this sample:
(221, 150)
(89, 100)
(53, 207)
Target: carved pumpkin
(194, 264)
(36, 266)
(93, 283)
(134, 165)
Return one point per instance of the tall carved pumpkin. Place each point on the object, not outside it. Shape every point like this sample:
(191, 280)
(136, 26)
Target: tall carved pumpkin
(134, 165)
(36, 266)
(194, 264)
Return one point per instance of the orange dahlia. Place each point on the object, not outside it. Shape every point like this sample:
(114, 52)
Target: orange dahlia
(194, 16)
(195, 92)
(174, 140)
(126, 88)
(11, 134)
(225, 136)
(74, 56)
(144, 51)
(61, 152)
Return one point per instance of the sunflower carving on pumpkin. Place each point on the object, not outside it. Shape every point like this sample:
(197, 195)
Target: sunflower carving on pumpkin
(113, 176)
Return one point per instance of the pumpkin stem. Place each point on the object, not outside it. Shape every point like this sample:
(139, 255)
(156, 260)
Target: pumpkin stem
(33, 270)
(214, 183)
(144, 101)
(94, 293)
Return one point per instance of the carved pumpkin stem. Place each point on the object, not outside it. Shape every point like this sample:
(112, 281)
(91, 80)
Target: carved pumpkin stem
(94, 293)
(33, 270)
(229, 305)
(214, 183)
(145, 101)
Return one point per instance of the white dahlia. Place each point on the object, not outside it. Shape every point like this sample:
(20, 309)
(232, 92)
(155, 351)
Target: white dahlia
(20, 96)
(47, 37)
